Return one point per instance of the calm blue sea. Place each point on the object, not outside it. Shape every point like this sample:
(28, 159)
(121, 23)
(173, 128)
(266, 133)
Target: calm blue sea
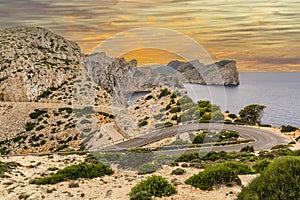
(279, 92)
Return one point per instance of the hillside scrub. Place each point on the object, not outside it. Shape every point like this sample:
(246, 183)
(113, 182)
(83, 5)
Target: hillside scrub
(73, 172)
(225, 173)
(281, 180)
(154, 186)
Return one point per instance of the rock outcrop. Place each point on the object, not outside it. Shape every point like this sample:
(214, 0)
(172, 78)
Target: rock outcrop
(219, 73)
(107, 71)
(32, 60)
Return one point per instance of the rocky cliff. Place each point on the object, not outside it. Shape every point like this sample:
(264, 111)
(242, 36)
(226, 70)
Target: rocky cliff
(219, 73)
(32, 60)
(120, 78)
(107, 71)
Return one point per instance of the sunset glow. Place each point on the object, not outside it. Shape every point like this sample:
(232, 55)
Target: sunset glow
(259, 35)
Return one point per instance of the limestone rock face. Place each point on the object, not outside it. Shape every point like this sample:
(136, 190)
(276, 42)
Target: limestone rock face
(219, 73)
(107, 71)
(32, 60)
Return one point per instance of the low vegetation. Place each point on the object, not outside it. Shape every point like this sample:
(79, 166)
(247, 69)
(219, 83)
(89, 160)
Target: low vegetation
(147, 168)
(73, 172)
(156, 186)
(281, 180)
(225, 173)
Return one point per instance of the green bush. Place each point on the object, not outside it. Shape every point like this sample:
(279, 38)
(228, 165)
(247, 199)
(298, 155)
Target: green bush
(163, 93)
(61, 147)
(147, 168)
(29, 126)
(155, 186)
(143, 195)
(239, 168)
(37, 113)
(199, 139)
(40, 128)
(178, 171)
(203, 104)
(73, 172)
(173, 96)
(142, 123)
(229, 135)
(247, 149)
(281, 180)
(175, 109)
(168, 124)
(261, 165)
(288, 128)
(213, 175)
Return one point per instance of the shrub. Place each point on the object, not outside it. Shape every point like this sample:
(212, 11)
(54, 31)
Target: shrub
(229, 135)
(247, 149)
(173, 96)
(154, 186)
(239, 168)
(175, 117)
(37, 113)
(147, 168)
(288, 128)
(168, 124)
(206, 117)
(143, 195)
(163, 93)
(142, 123)
(29, 126)
(73, 172)
(199, 139)
(281, 180)
(261, 165)
(241, 121)
(178, 171)
(187, 157)
(232, 116)
(279, 146)
(175, 109)
(61, 147)
(213, 175)
(149, 97)
(40, 128)
(203, 104)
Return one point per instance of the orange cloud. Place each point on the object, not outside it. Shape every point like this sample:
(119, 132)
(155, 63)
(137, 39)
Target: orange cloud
(151, 56)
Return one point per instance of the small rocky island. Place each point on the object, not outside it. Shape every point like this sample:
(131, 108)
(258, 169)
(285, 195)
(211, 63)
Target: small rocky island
(219, 73)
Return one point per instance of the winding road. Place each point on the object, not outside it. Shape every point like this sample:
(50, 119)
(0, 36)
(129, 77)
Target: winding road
(263, 139)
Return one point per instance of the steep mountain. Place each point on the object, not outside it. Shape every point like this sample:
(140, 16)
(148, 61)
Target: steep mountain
(45, 93)
(33, 60)
(219, 73)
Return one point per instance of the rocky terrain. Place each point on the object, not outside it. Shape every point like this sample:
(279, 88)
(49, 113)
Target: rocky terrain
(219, 73)
(49, 71)
(33, 60)
(16, 183)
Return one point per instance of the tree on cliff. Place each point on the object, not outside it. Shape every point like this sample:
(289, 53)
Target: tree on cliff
(252, 113)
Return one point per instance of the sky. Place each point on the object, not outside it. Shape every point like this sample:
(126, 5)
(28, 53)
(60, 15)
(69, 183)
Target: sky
(260, 35)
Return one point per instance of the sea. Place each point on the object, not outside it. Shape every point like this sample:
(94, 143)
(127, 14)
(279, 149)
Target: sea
(278, 91)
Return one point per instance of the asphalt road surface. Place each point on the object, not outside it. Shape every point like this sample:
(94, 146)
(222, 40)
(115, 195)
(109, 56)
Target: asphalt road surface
(263, 139)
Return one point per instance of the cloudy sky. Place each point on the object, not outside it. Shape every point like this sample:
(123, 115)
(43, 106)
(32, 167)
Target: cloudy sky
(260, 35)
